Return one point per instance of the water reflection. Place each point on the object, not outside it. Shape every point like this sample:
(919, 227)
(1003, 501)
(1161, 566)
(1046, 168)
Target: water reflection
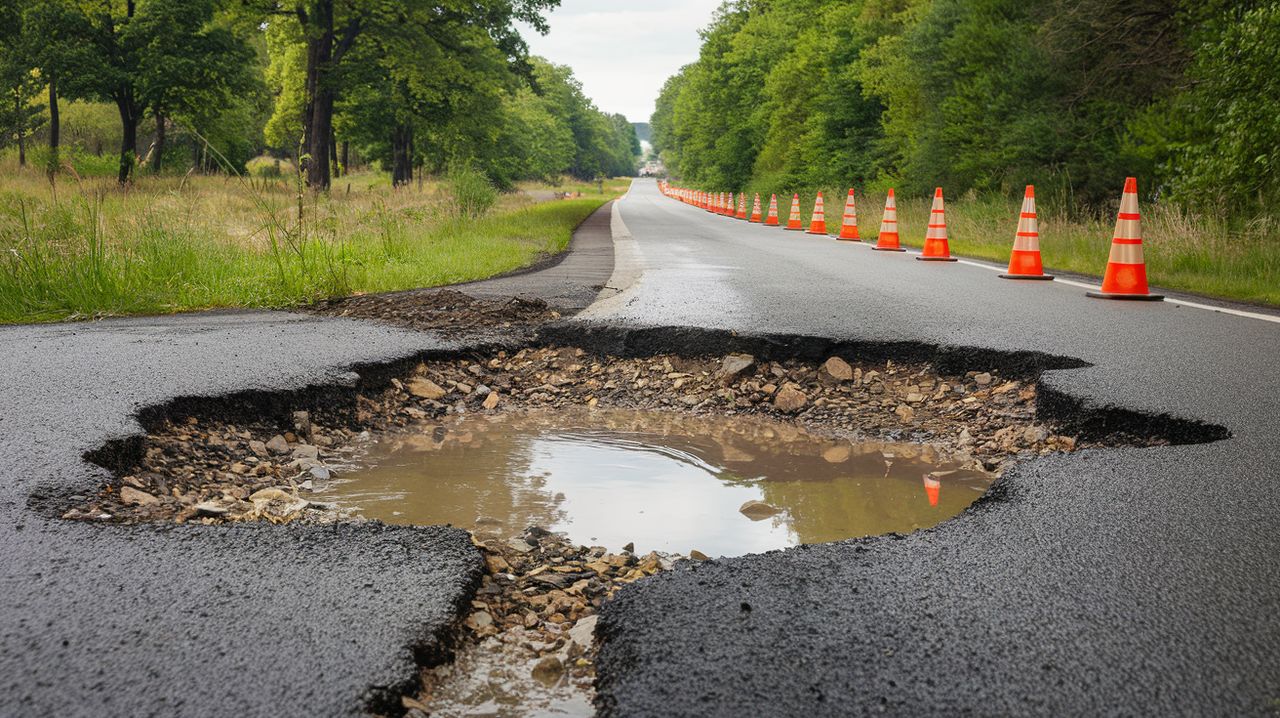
(665, 481)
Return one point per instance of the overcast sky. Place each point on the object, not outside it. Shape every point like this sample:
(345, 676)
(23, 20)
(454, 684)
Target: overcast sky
(622, 51)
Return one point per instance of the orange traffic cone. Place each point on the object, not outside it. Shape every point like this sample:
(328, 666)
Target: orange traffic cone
(849, 223)
(932, 488)
(1024, 263)
(889, 227)
(818, 221)
(772, 219)
(793, 222)
(728, 207)
(755, 210)
(742, 206)
(1126, 276)
(935, 239)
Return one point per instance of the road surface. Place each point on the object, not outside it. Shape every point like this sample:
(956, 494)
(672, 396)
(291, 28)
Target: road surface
(1109, 581)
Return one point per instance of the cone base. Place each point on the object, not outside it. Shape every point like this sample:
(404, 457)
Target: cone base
(1133, 297)
(848, 239)
(820, 234)
(889, 249)
(793, 229)
(936, 259)
(1046, 277)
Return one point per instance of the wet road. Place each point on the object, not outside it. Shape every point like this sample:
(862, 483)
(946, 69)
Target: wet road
(1114, 581)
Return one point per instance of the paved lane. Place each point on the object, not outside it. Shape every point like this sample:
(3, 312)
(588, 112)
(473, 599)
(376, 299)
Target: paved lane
(1118, 581)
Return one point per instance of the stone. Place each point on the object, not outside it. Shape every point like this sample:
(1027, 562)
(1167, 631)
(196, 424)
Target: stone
(548, 670)
(837, 454)
(258, 448)
(519, 545)
(302, 423)
(790, 399)
(915, 398)
(837, 369)
(134, 497)
(584, 632)
(277, 445)
(905, 413)
(733, 365)
(697, 555)
(479, 620)
(212, 509)
(306, 451)
(982, 379)
(1034, 435)
(320, 473)
(491, 401)
(424, 388)
(758, 510)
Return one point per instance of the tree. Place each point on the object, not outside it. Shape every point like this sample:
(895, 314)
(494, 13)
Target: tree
(56, 39)
(332, 30)
(18, 115)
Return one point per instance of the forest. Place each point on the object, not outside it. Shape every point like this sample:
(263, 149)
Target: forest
(411, 87)
(986, 96)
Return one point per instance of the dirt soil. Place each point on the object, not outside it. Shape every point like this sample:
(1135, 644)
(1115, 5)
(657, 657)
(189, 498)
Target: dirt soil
(444, 310)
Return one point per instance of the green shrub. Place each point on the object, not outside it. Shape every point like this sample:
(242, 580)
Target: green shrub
(471, 192)
(266, 166)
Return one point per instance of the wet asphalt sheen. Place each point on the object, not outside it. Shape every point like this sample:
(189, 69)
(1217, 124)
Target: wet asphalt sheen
(253, 620)
(1119, 581)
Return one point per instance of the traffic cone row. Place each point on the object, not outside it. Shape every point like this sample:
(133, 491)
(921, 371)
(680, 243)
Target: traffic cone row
(1125, 277)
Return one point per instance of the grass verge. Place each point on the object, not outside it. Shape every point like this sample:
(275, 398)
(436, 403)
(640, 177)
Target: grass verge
(174, 244)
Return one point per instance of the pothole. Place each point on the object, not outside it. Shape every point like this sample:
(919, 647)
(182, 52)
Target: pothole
(763, 453)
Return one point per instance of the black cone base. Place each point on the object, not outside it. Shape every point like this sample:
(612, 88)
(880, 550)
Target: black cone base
(1042, 277)
(1131, 297)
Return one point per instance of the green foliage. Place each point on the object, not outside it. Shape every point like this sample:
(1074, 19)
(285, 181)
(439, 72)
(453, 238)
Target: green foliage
(984, 95)
(470, 191)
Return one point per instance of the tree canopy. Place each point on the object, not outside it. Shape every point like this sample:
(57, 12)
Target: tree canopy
(415, 85)
(983, 95)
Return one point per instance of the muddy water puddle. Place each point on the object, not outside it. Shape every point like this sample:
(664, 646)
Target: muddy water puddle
(668, 482)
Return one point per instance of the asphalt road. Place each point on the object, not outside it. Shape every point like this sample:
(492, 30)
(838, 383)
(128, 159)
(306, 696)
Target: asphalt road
(1117, 581)
(104, 620)
(1111, 581)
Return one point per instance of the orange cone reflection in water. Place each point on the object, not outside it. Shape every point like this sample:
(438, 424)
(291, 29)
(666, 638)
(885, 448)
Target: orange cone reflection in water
(932, 487)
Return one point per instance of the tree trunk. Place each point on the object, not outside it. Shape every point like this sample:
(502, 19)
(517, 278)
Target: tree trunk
(55, 125)
(402, 155)
(333, 153)
(22, 129)
(129, 134)
(318, 118)
(157, 154)
(346, 156)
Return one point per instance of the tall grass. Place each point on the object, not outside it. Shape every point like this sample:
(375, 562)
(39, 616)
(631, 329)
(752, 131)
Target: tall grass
(1199, 252)
(90, 249)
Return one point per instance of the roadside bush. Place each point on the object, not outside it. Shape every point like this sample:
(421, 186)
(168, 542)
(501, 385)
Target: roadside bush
(471, 192)
(266, 166)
